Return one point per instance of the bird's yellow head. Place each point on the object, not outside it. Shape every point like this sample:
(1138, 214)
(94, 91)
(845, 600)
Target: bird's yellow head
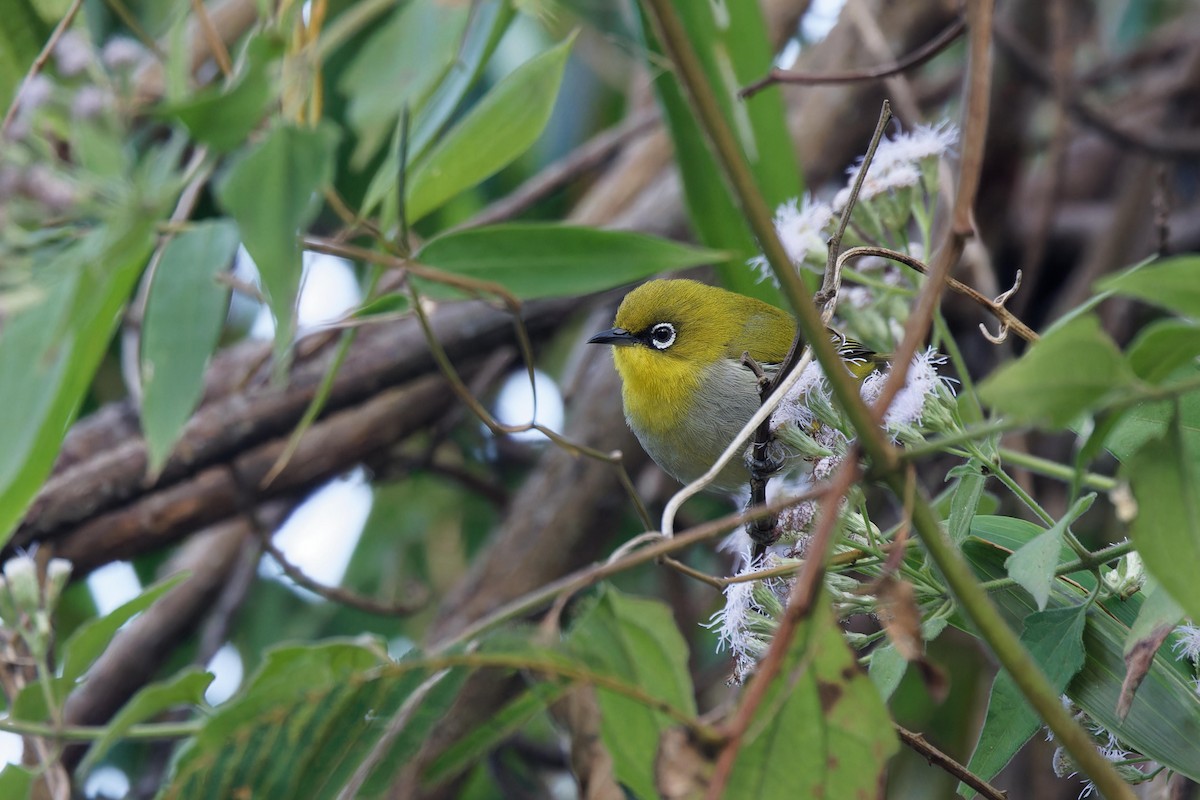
(668, 333)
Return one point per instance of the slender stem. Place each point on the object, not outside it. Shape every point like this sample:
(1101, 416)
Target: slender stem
(1053, 469)
(91, 733)
(1011, 484)
(965, 436)
(1092, 561)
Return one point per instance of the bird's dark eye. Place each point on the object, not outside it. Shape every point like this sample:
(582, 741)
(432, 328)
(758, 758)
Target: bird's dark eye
(662, 335)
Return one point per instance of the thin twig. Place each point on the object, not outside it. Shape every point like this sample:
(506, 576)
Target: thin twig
(39, 63)
(213, 38)
(914, 59)
(657, 547)
(345, 597)
(919, 744)
(995, 307)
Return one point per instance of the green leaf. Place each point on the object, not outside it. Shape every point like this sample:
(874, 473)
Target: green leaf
(50, 350)
(1072, 369)
(638, 641)
(307, 719)
(1163, 347)
(547, 260)
(185, 688)
(965, 500)
(93, 637)
(1033, 565)
(1173, 283)
(399, 66)
(822, 729)
(733, 50)
(1165, 477)
(1055, 640)
(222, 117)
(185, 311)
(272, 192)
(384, 305)
(887, 669)
(502, 126)
(15, 782)
(488, 23)
(1164, 721)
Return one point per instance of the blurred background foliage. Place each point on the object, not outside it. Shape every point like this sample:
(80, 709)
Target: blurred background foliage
(199, 137)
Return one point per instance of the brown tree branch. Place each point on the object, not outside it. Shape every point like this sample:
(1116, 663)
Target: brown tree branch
(91, 481)
(330, 448)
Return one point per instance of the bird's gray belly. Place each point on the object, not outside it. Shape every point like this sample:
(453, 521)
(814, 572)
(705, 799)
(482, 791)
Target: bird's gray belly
(724, 404)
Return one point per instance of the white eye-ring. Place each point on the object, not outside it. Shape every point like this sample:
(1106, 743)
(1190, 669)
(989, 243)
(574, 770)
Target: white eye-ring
(662, 335)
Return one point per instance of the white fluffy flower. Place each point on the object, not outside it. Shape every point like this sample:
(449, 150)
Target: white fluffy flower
(921, 383)
(800, 226)
(1188, 643)
(897, 160)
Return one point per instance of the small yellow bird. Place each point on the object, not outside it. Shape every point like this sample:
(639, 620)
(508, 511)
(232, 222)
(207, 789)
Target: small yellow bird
(678, 345)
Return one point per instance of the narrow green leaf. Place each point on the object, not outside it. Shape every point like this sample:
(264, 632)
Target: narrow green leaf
(1163, 347)
(636, 640)
(502, 126)
(488, 23)
(1033, 565)
(50, 351)
(272, 192)
(730, 39)
(822, 729)
(887, 669)
(1173, 283)
(1073, 368)
(185, 688)
(547, 260)
(92, 637)
(184, 314)
(398, 66)
(223, 116)
(965, 500)
(384, 305)
(1165, 477)
(1055, 640)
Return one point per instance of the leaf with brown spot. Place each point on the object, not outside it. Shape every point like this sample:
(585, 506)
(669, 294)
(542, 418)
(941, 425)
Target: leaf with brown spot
(822, 730)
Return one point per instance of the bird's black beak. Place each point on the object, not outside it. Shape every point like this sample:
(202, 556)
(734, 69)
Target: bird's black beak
(614, 336)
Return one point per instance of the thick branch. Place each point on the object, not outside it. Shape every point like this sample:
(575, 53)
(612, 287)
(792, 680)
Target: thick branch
(329, 449)
(89, 482)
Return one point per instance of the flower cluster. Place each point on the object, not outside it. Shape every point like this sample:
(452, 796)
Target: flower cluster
(903, 163)
(27, 601)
